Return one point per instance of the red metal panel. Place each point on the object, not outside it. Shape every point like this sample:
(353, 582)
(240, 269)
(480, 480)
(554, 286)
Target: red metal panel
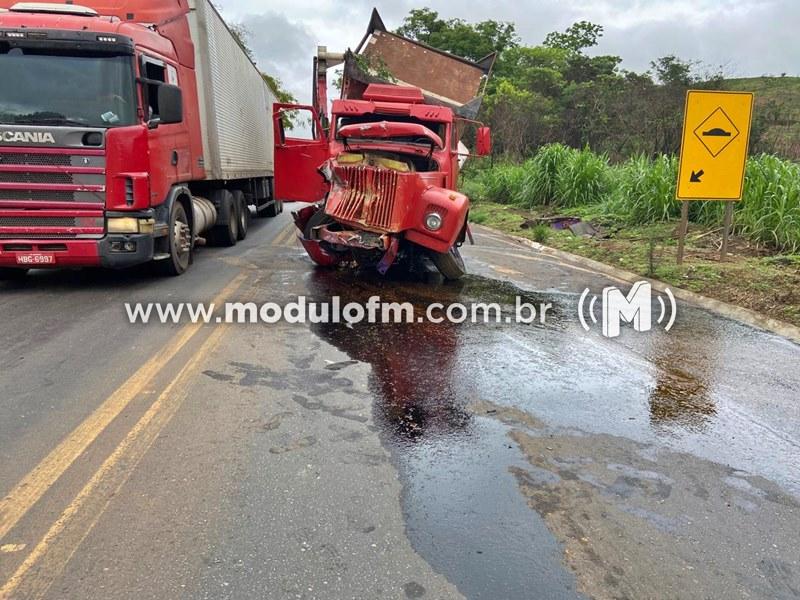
(48, 204)
(5, 168)
(297, 161)
(47, 187)
(39, 150)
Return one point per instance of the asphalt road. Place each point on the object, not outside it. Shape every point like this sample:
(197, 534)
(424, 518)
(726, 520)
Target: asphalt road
(387, 461)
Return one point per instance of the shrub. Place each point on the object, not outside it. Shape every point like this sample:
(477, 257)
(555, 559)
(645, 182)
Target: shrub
(770, 210)
(502, 183)
(540, 175)
(541, 233)
(645, 190)
(585, 178)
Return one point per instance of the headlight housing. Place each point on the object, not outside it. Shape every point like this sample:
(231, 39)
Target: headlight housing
(433, 221)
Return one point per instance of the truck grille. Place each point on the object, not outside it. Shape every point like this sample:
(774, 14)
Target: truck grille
(37, 196)
(24, 177)
(52, 193)
(54, 175)
(37, 222)
(366, 195)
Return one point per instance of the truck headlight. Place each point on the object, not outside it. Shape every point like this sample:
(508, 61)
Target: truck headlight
(123, 225)
(130, 225)
(433, 221)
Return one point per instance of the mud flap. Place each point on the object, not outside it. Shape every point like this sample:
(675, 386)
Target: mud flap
(391, 255)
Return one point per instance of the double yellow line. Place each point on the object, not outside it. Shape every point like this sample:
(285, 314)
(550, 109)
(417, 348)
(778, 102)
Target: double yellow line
(54, 550)
(286, 237)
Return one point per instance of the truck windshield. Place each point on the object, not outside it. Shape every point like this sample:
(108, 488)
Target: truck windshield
(82, 90)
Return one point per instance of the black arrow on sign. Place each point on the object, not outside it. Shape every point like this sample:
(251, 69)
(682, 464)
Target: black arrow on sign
(695, 178)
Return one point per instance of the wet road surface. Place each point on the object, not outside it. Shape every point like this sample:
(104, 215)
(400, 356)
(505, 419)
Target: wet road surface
(390, 461)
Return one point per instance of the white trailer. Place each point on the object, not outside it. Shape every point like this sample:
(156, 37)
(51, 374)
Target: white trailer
(235, 101)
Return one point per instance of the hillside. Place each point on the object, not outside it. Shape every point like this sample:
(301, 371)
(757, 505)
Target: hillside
(777, 112)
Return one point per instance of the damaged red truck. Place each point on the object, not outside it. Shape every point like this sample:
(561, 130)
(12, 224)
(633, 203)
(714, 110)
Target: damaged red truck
(129, 131)
(391, 152)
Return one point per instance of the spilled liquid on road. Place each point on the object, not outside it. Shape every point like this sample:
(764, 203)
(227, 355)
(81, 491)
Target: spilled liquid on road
(449, 398)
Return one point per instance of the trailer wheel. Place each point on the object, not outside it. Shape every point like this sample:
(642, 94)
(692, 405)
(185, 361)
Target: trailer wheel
(180, 243)
(450, 264)
(273, 210)
(8, 274)
(244, 213)
(227, 233)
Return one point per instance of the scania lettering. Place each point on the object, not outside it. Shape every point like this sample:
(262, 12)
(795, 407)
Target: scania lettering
(27, 137)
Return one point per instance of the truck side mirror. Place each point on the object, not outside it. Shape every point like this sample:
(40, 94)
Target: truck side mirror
(484, 141)
(170, 104)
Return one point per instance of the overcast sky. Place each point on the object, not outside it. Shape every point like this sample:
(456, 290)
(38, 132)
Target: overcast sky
(748, 37)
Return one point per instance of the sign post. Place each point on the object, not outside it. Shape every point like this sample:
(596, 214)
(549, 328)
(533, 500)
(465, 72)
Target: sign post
(683, 230)
(716, 141)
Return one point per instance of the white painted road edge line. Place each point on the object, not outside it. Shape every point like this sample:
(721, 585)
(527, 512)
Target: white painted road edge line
(730, 311)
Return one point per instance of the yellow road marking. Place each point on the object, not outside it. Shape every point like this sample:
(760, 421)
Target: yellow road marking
(505, 271)
(36, 483)
(553, 261)
(283, 236)
(291, 241)
(54, 551)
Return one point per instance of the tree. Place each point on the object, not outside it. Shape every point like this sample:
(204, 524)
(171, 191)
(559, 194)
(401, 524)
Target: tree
(577, 38)
(467, 40)
(242, 35)
(671, 70)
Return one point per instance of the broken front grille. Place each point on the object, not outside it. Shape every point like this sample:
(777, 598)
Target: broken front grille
(367, 196)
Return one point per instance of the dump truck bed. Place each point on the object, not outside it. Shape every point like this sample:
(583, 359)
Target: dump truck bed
(445, 79)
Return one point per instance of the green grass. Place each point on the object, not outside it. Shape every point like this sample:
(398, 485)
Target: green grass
(767, 284)
(641, 191)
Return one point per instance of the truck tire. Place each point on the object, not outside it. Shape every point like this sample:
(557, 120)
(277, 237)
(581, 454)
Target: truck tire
(450, 264)
(244, 213)
(8, 274)
(273, 210)
(180, 243)
(227, 233)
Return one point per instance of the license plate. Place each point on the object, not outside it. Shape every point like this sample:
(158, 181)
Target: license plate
(33, 260)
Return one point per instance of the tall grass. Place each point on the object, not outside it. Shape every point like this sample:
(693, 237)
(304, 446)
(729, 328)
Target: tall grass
(584, 179)
(642, 191)
(645, 190)
(540, 175)
(770, 210)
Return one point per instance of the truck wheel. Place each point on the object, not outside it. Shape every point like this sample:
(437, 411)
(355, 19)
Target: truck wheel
(450, 264)
(180, 243)
(273, 210)
(244, 213)
(7, 274)
(226, 234)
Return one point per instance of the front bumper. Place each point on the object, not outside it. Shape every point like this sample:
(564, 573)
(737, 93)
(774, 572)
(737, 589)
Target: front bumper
(81, 253)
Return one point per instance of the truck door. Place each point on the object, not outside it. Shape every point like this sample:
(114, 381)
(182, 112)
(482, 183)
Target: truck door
(301, 148)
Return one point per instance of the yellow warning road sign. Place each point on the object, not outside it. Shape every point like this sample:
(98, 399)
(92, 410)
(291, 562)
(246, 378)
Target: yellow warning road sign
(716, 139)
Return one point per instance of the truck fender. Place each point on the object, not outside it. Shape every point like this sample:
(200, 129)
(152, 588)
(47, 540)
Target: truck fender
(165, 208)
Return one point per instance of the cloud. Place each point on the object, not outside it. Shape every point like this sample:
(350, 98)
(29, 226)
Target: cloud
(748, 37)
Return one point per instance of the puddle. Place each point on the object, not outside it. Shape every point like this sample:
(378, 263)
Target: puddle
(462, 473)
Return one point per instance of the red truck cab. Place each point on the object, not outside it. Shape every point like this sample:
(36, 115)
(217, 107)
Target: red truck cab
(392, 156)
(80, 158)
(104, 135)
